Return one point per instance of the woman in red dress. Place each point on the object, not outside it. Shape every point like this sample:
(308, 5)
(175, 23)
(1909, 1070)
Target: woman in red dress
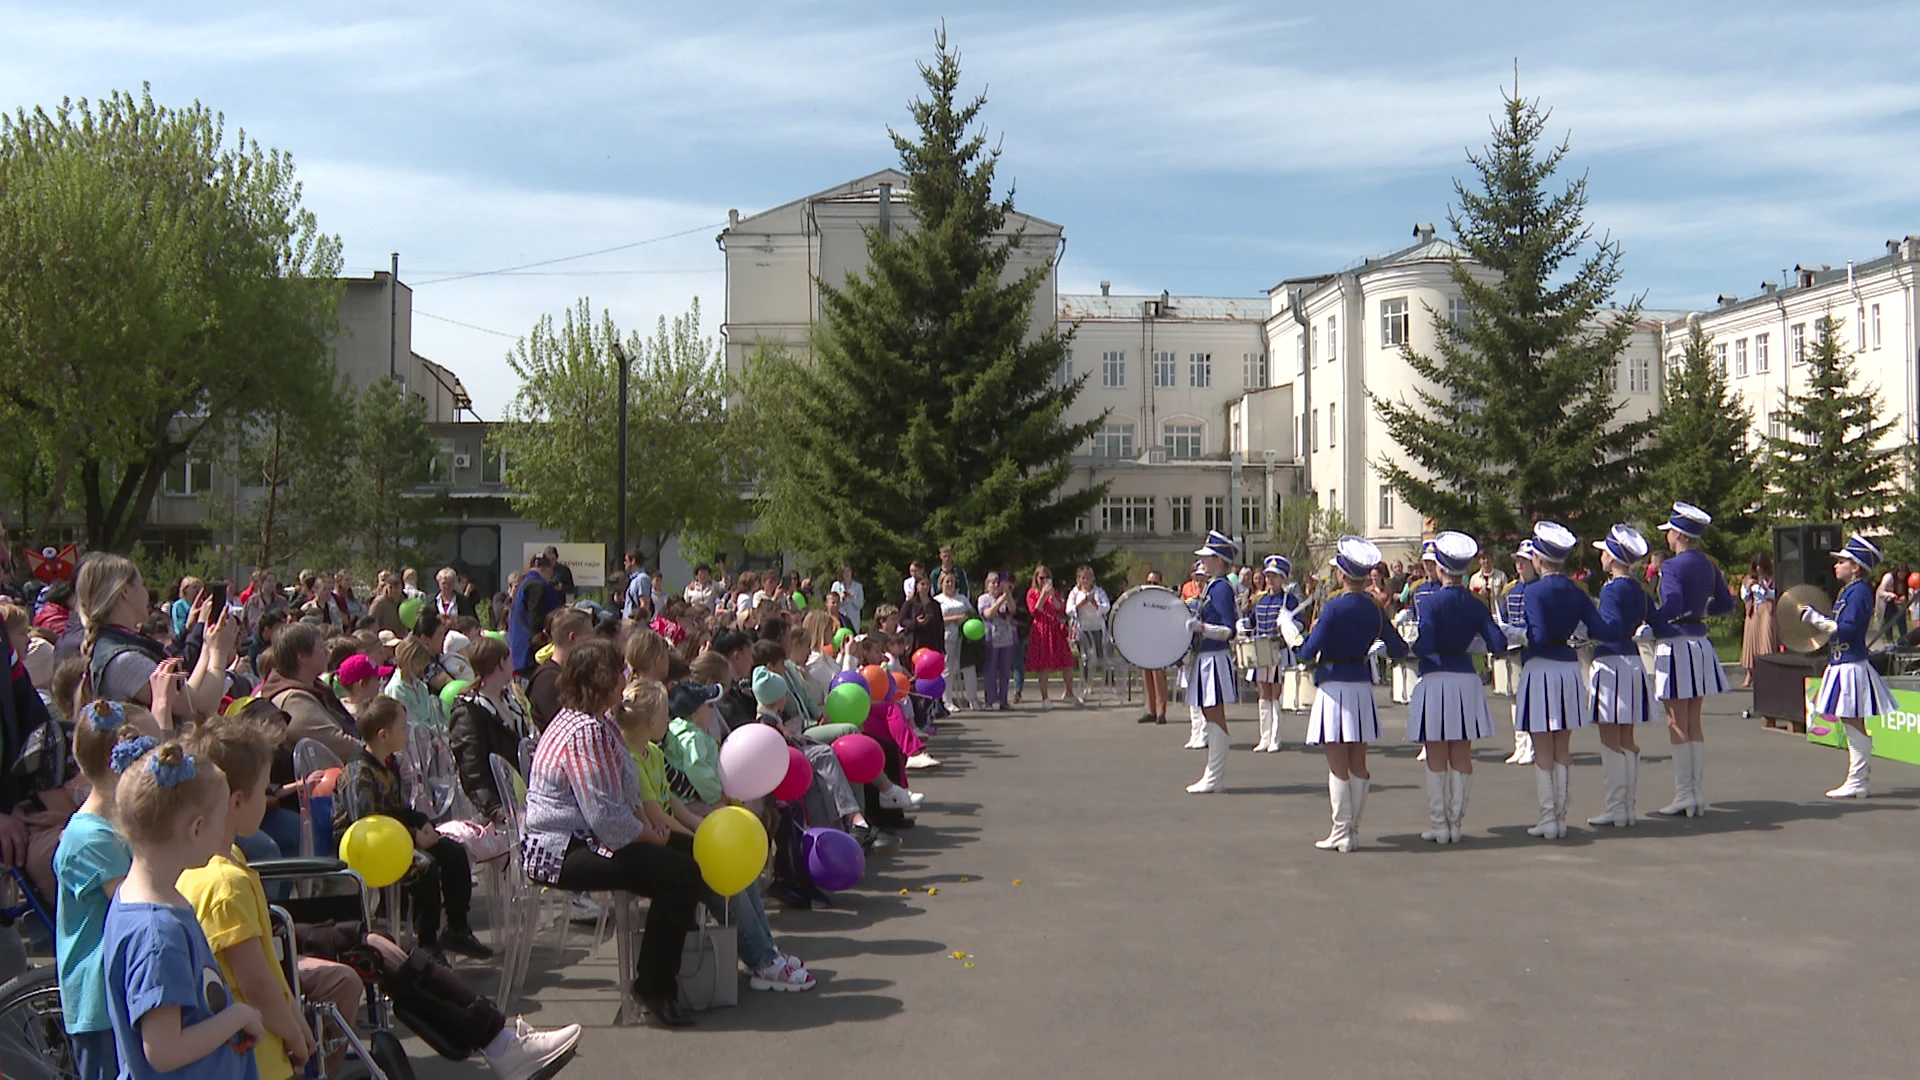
(1047, 649)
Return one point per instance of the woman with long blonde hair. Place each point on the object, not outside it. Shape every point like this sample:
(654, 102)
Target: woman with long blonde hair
(111, 600)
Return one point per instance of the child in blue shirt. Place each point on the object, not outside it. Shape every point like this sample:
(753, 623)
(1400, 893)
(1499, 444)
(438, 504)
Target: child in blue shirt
(89, 865)
(172, 1013)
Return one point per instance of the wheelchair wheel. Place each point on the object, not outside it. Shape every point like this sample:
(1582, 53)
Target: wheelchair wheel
(33, 1035)
(390, 1055)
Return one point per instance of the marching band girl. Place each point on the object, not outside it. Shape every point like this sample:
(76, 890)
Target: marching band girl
(1512, 613)
(1686, 668)
(1210, 684)
(1344, 719)
(1619, 680)
(1272, 618)
(1851, 690)
(1194, 593)
(1449, 706)
(1551, 700)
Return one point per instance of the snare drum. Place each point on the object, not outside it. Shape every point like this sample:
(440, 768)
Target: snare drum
(1148, 626)
(1255, 653)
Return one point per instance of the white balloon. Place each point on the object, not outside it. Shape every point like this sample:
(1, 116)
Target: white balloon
(753, 761)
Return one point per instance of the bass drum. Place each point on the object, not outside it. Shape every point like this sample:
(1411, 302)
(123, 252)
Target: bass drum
(1148, 625)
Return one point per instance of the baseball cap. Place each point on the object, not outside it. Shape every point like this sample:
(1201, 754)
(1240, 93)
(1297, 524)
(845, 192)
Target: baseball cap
(686, 698)
(355, 668)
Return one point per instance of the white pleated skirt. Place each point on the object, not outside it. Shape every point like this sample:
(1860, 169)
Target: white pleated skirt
(1852, 691)
(1550, 697)
(1686, 667)
(1208, 679)
(1448, 706)
(1343, 712)
(1619, 686)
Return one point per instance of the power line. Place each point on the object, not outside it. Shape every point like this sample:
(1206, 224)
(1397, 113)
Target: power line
(468, 325)
(569, 258)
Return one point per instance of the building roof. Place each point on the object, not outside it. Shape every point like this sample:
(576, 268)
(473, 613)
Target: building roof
(445, 377)
(1822, 276)
(1074, 306)
(865, 189)
(1433, 249)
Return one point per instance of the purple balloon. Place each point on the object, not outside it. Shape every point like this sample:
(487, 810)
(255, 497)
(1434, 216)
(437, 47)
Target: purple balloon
(845, 677)
(834, 859)
(935, 687)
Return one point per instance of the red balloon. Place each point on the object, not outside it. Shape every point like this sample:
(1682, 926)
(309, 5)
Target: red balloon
(1913, 580)
(928, 664)
(901, 686)
(860, 758)
(798, 779)
(878, 685)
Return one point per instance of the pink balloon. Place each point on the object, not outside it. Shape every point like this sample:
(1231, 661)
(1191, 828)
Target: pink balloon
(753, 761)
(860, 757)
(798, 779)
(929, 665)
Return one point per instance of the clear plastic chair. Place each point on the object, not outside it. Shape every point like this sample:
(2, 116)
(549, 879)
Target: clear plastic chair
(434, 779)
(316, 813)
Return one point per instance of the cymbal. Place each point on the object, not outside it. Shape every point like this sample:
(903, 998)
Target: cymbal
(1796, 635)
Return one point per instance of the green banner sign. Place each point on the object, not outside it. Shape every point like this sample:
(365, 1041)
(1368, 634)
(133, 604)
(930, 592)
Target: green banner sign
(1896, 736)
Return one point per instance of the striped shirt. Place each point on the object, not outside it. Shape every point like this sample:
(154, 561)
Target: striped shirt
(584, 786)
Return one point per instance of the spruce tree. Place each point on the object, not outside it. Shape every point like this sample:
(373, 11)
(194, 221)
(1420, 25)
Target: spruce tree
(1828, 464)
(1700, 454)
(1515, 419)
(928, 415)
(1902, 541)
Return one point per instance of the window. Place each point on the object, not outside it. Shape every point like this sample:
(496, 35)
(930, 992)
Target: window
(1113, 441)
(1760, 362)
(1386, 506)
(1822, 330)
(1796, 343)
(1180, 514)
(1064, 374)
(1181, 440)
(1740, 359)
(1640, 375)
(1253, 370)
(1615, 375)
(1126, 514)
(1316, 342)
(1393, 322)
(1720, 358)
(1333, 338)
(493, 467)
(1251, 519)
(1216, 511)
(1333, 498)
(1314, 421)
(1200, 366)
(1301, 367)
(1773, 425)
(1875, 325)
(1860, 327)
(1163, 369)
(1333, 424)
(441, 470)
(1459, 315)
(188, 476)
(1113, 369)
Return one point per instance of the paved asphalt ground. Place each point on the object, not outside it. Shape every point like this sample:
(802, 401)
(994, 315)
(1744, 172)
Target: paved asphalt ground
(1155, 933)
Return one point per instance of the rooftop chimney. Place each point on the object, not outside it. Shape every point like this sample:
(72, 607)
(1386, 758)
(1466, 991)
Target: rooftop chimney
(1423, 232)
(1768, 287)
(886, 210)
(1727, 300)
(1105, 287)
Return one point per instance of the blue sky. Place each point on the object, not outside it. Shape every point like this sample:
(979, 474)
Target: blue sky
(1200, 148)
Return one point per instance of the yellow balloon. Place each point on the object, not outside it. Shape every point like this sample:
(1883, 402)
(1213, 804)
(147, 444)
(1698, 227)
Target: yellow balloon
(377, 848)
(731, 848)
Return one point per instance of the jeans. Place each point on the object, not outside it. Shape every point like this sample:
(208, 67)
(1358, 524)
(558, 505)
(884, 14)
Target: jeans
(260, 846)
(999, 668)
(670, 878)
(284, 826)
(1020, 666)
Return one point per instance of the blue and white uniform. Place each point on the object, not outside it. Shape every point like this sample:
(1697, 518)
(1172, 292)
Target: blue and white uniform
(1851, 689)
(1263, 621)
(1619, 680)
(1343, 708)
(1685, 664)
(1209, 675)
(1449, 703)
(1552, 696)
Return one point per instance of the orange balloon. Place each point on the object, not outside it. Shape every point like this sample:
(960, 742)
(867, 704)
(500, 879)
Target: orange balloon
(329, 779)
(827, 649)
(1913, 580)
(878, 684)
(901, 686)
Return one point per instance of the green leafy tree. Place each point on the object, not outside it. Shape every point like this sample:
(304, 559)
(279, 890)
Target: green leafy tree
(1902, 540)
(1828, 463)
(1700, 454)
(158, 286)
(1515, 418)
(396, 513)
(1305, 532)
(930, 413)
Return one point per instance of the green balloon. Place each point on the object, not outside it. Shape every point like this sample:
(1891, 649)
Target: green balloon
(800, 601)
(497, 635)
(848, 703)
(974, 629)
(453, 690)
(842, 636)
(409, 611)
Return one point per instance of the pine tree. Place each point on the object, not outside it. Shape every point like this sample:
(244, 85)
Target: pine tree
(1516, 419)
(1828, 464)
(1902, 540)
(928, 415)
(1700, 454)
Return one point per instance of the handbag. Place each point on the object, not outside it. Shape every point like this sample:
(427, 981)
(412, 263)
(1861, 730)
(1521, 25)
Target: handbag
(709, 966)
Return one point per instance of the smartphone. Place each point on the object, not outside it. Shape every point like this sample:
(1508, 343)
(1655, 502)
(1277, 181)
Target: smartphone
(216, 596)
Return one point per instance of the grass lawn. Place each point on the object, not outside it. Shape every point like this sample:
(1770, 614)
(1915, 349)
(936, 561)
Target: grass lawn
(1725, 633)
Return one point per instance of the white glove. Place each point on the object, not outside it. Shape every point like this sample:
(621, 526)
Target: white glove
(1516, 637)
(1195, 626)
(1290, 630)
(1403, 617)
(1819, 621)
(1378, 648)
(1645, 633)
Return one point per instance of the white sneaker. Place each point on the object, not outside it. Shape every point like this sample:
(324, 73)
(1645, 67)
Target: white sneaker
(923, 760)
(580, 909)
(1047, 705)
(785, 974)
(897, 798)
(534, 1054)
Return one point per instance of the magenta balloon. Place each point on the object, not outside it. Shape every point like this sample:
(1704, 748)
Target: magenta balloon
(753, 761)
(834, 859)
(798, 779)
(860, 757)
(929, 665)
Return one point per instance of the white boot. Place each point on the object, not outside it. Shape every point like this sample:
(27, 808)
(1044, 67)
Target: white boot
(1436, 808)
(1859, 762)
(1699, 754)
(1543, 790)
(1458, 786)
(1682, 782)
(1215, 777)
(1630, 794)
(1562, 790)
(1273, 737)
(1197, 739)
(1358, 788)
(1522, 748)
(1422, 755)
(1340, 796)
(1267, 724)
(1613, 768)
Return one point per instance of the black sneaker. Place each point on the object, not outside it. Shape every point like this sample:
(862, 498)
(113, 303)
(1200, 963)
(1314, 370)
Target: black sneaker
(1146, 718)
(461, 940)
(436, 957)
(1161, 719)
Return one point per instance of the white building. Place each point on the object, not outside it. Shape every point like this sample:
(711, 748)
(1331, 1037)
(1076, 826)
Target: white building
(1761, 342)
(1337, 337)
